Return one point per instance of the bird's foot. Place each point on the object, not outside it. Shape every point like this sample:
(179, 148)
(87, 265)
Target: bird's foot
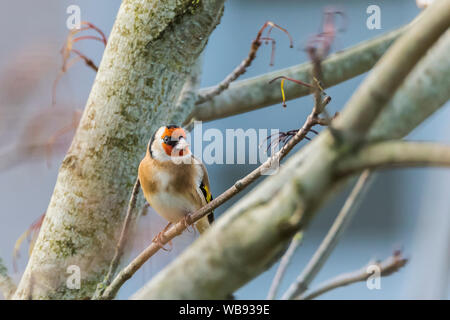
(186, 221)
(159, 239)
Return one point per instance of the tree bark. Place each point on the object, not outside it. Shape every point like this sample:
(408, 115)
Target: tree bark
(151, 50)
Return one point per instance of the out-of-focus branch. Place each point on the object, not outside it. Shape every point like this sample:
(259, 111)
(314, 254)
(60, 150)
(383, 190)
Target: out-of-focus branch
(424, 92)
(387, 267)
(124, 235)
(7, 285)
(250, 94)
(284, 263)
(380, 85)
(281, 205)
(333, 236)
(395, 154)
(188, 95)
(187, 99)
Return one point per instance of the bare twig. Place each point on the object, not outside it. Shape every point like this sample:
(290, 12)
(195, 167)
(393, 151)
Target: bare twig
(284, 263)
(31, 234)
(7, 285)
(122, 240)
(331, 239)
(68, 48)
(242, 68)
(386, 268)
(179, 227)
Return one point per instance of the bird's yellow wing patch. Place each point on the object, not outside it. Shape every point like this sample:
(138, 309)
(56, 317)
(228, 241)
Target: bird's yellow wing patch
(206, 193)
(208, 197)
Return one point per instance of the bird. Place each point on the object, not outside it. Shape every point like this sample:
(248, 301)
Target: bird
(173, 181)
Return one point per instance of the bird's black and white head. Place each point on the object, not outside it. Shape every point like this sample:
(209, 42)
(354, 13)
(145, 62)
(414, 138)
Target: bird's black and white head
(169, 143)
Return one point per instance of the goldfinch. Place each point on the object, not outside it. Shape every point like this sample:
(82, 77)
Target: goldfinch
(174, 182)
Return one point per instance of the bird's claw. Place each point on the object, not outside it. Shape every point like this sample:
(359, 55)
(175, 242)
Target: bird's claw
(158, 239)
(187, 220)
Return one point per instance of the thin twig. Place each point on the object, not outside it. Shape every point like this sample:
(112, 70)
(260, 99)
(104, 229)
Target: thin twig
(242, 68)
(331, 239)
(386, 268)
(7, 285)
(179, 227)
(122, 241)
(284, 263)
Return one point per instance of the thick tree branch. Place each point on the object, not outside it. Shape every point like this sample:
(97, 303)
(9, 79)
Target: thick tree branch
(424, 92)
(7, 285)
(254, 93)
(333, 236)
(150, 53)
(386, 267)
(231, 253)
(380, 85)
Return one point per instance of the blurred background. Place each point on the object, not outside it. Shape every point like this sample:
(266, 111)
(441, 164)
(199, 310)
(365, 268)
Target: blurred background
(406, 209)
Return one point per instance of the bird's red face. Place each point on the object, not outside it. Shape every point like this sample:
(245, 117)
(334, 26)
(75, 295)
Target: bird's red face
(174, 141)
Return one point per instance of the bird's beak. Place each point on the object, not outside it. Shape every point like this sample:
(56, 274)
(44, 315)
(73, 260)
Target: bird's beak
(182, 144)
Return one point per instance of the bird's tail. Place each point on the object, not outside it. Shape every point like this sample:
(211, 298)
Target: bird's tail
(202, 224)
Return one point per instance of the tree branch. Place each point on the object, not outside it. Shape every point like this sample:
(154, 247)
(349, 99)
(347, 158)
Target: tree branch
(424, 92)
(386, 267)
(380, 85)
(254, 93)
(333, 236)
(284, 263)
(188, 95)
(242, 67)
(395, 154)
(276, 209)
(7, 285)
